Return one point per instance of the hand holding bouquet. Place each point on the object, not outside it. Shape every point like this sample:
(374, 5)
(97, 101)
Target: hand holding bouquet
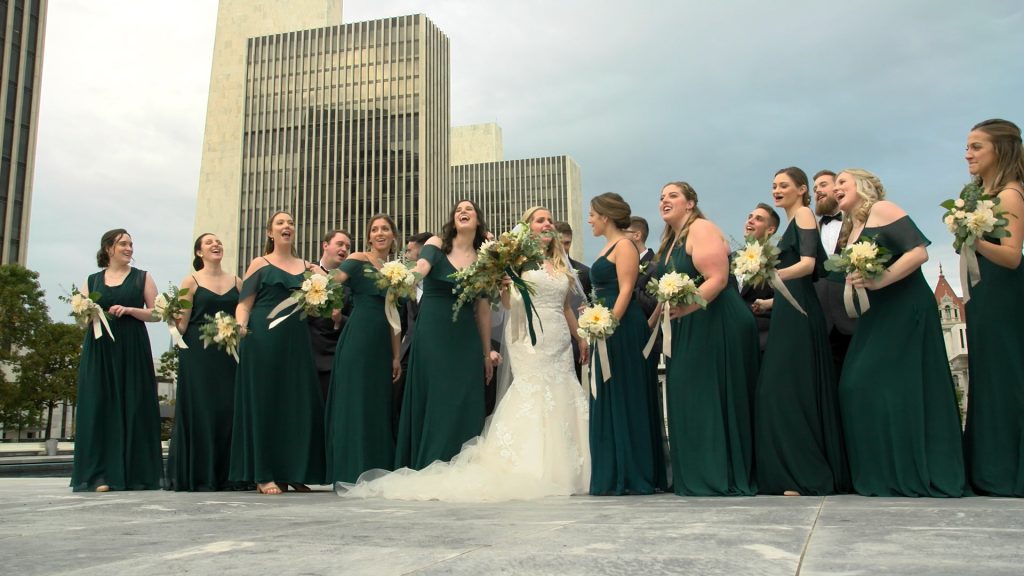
(969, 217)
(86, 312)
(167, 307)
(596, 323)
(222, 331)
(317, 297)
(672, 289)
(757, 262)
(867, 259)
(400, 282)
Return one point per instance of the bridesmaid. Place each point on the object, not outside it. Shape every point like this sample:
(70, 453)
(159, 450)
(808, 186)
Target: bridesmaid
(277, 436)
(117, 423)
(443, 402)
(625, 426)
(797, 429)
(896, 393)
(995, 413)
(201, 444)
(715, 353)
(366, 364)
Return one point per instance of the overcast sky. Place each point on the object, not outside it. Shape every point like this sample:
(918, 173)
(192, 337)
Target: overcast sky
(720, 94)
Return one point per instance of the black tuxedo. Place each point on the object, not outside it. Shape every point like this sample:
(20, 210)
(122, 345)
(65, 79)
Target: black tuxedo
(408, 313)
(648, 302)
(323, 337)
(749, 294)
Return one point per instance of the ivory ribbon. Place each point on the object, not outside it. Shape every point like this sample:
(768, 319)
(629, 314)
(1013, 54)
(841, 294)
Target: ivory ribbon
(862, 301)
(176, 337)
(99, 322)
(281, 307)
(665, 326)
(601, 352)
(970, 273)
(780, 287)
(391, 313)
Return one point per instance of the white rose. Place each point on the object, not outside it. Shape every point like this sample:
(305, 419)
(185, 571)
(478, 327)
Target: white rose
(959, 203)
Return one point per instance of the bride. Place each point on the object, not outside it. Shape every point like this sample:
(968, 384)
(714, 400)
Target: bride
(536, 444)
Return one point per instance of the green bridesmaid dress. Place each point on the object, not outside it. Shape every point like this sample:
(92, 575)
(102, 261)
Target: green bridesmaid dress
(117, 420)
(358, 422)
(625, 427)
(443, 402)
(278, 430)
(710, 388)
(201, 444)
(994, 439)
(896, 393)
(797, 429)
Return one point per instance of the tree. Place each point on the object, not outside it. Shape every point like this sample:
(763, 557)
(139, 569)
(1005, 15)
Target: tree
(22, 309)
(17, 411)
(49, 367)
(168, 371)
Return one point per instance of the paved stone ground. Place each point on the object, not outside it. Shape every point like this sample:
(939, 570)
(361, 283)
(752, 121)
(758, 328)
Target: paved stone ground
(47, 529)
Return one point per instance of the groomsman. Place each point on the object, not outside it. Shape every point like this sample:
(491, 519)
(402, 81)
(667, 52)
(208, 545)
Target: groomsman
(410, 310)
(762, 222)
(637, 232)
(583, 273)
(830, 288)
(324, 332)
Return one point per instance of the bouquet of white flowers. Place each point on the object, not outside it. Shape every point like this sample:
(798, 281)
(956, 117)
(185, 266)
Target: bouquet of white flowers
(672, 289)
(865, 257)
(596, 323)
(221, 330)
(512, 253)
(167, 307)
(757, 263)
(399, 280)
(969, 217)
(86, 312)
(317, 297)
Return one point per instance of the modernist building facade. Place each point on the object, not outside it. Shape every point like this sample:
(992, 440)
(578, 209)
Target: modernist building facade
(336, 123)
(22, 25)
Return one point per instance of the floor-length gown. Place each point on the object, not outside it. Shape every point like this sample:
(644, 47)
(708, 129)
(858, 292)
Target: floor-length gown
(797, 429)
(278, 431)
(534, 445)
(896, 393)
(358, 419)
(625, 428)
(117, 420)
(710, 387)
(443, 401)
(205, 402)
(994, 438)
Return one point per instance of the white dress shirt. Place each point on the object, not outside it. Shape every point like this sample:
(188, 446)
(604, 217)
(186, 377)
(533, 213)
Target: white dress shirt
(830, 235)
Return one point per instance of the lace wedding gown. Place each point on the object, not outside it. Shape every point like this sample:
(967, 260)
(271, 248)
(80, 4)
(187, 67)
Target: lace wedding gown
(536, 443)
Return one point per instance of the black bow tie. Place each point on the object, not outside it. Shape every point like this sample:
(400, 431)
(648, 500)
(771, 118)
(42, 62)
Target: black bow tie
(838, 216)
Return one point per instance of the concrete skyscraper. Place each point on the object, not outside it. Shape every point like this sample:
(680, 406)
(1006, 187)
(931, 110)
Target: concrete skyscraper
(220, 175)
(505, 189)
(22, 26)
(333, 123)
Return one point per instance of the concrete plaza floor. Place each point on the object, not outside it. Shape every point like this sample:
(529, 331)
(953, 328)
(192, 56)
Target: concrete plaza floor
(47, 529)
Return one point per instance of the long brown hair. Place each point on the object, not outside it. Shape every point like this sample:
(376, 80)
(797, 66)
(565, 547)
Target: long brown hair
(1005, 136)
(268, 247)
(394, 230)
(669, 236)
(448, 231)
(799, 178)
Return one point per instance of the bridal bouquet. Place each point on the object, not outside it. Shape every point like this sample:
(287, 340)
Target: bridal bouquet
(317, 297)
(865, 257)
(672, 289)
(222, 331)
(757, 263)
(596, 323)
(512, 253)
(167, 307)
(969, 217)
(86, 312)
(400, 282)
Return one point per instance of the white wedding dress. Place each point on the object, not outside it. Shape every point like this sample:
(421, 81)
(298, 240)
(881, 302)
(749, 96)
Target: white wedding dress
(537, 442)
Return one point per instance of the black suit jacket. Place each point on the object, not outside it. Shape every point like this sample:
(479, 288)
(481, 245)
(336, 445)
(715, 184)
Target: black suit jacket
(323, 337)
(749, 294)
(583, 272)
(410, 310)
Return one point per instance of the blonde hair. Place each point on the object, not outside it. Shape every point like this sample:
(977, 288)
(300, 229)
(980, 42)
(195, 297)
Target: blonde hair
(669, 236)
(870, 190)
(554, 251)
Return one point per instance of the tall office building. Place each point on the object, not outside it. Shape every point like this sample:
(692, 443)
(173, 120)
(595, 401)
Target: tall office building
(337, 123)
(505, 189)
(22, 26)
(220, 174)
